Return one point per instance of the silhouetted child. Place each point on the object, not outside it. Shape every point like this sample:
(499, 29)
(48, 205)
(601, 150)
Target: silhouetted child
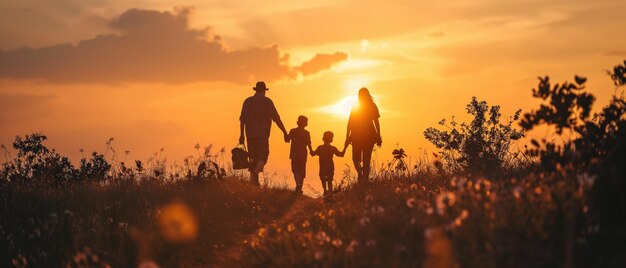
(327, 167)
(300, 139)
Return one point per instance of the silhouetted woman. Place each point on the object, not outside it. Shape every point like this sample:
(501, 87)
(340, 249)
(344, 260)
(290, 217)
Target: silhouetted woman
(363, 132)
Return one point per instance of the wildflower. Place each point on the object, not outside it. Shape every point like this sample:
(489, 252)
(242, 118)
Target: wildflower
(319, 255)
(322, 237)
(397, 190)
(369, 198)
(353, 244)
(364, 221)
(538, 190)
(464, 214)
(410, 202)
(516, 192)
(585, 179)
(430, 233)
(305, 224)
(290, 227)
(429, 210)
(262, 232)
(378, 210)
(337, 242)
(444, 200)
(68, 213)
(413, 186)
(148, 264)
(331, 212)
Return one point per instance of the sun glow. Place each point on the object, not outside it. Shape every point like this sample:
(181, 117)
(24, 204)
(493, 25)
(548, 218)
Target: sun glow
(342, 107)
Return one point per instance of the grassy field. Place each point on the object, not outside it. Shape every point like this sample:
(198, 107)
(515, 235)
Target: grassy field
(422, 220)
(480, 204)
(177, 224)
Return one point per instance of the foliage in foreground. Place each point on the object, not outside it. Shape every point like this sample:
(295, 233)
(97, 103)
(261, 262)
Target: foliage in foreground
(172, 224)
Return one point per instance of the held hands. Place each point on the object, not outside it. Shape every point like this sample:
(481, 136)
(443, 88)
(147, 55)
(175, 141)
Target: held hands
(286, 136)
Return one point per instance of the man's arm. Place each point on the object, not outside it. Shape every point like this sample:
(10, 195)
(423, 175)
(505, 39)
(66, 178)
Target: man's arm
(242, 125)
(288, 136)
(280, 125)
(309, 143)
(242, 138)
(276, 118)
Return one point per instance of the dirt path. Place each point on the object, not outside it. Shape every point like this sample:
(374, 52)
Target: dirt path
(230, 256)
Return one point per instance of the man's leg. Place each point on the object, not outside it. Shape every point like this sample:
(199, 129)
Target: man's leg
(254, 179)
(253, 150)
(263, 154)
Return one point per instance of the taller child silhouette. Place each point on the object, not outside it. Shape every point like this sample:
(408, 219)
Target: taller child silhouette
(256, 118)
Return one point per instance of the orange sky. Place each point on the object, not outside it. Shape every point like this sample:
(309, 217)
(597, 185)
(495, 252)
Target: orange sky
(173, 76)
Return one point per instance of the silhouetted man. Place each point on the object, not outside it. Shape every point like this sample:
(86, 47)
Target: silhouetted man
(256, 118)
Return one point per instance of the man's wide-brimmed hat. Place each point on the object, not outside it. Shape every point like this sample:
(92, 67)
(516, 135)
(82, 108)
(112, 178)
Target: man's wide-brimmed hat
(260, 86)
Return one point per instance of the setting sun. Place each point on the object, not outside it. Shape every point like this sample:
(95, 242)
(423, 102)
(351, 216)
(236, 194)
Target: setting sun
(342, 107)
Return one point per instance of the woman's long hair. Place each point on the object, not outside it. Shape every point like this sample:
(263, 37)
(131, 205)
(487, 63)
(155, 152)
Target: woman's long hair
(365, 98)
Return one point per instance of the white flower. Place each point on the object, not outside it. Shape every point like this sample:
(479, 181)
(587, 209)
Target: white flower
(319, 255)
(585, 179)
(364, 221)
(444, 200)
(410, 202)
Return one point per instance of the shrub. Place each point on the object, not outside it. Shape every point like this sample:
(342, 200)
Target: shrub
(596, 152)
(480, 148)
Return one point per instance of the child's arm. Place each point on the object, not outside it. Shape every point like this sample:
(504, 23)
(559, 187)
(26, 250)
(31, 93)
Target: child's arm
(342, 153)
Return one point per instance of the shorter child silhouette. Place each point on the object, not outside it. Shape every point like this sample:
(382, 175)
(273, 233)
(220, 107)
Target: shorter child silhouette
(327, 167)
(300, 139)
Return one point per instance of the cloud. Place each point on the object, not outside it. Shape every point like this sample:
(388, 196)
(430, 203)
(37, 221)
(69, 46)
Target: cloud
(154, 47)
(321, 62)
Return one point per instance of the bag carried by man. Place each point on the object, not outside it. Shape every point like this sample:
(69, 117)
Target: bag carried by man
(240, 157)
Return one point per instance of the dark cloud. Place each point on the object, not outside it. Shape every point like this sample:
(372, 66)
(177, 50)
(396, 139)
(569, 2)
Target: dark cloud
(154, 47)
(321, 62)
